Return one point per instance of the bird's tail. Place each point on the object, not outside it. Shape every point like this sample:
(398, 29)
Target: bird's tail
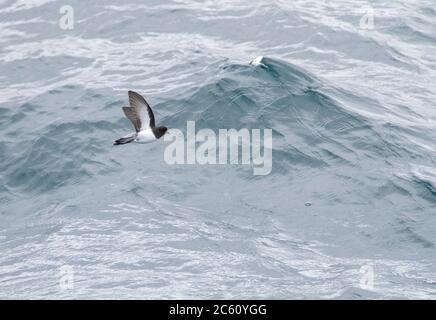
(125, 139)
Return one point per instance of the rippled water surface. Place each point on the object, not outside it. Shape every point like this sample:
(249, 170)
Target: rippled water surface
(353, 182)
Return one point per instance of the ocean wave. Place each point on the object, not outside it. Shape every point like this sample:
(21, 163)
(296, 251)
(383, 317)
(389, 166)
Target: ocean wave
(352, 116)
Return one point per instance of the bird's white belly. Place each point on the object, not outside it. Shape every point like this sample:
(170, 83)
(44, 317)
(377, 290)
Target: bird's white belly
(145, 136)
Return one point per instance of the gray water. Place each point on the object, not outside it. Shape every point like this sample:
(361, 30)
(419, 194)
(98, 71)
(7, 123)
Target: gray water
(348, 211)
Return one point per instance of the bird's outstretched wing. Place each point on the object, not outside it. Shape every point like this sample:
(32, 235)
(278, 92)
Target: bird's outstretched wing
(139, 112)
(133, 117)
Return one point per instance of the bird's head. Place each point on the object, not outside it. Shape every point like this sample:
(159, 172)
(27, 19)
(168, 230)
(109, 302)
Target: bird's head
(160, 131)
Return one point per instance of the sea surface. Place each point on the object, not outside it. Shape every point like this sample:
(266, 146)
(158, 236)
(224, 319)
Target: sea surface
(347, 87)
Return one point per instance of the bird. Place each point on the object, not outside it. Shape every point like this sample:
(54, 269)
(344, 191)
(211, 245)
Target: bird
(140, 114)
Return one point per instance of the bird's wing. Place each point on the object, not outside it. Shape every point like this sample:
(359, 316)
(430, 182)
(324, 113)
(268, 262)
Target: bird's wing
(131, 114)
(142, 110)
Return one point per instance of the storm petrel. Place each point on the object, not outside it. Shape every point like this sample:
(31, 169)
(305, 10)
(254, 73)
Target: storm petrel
(142, 118)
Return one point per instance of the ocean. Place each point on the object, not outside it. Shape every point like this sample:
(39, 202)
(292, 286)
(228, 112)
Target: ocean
(348, 89)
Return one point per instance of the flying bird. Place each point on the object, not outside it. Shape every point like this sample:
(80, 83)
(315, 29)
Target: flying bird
(142, 118)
